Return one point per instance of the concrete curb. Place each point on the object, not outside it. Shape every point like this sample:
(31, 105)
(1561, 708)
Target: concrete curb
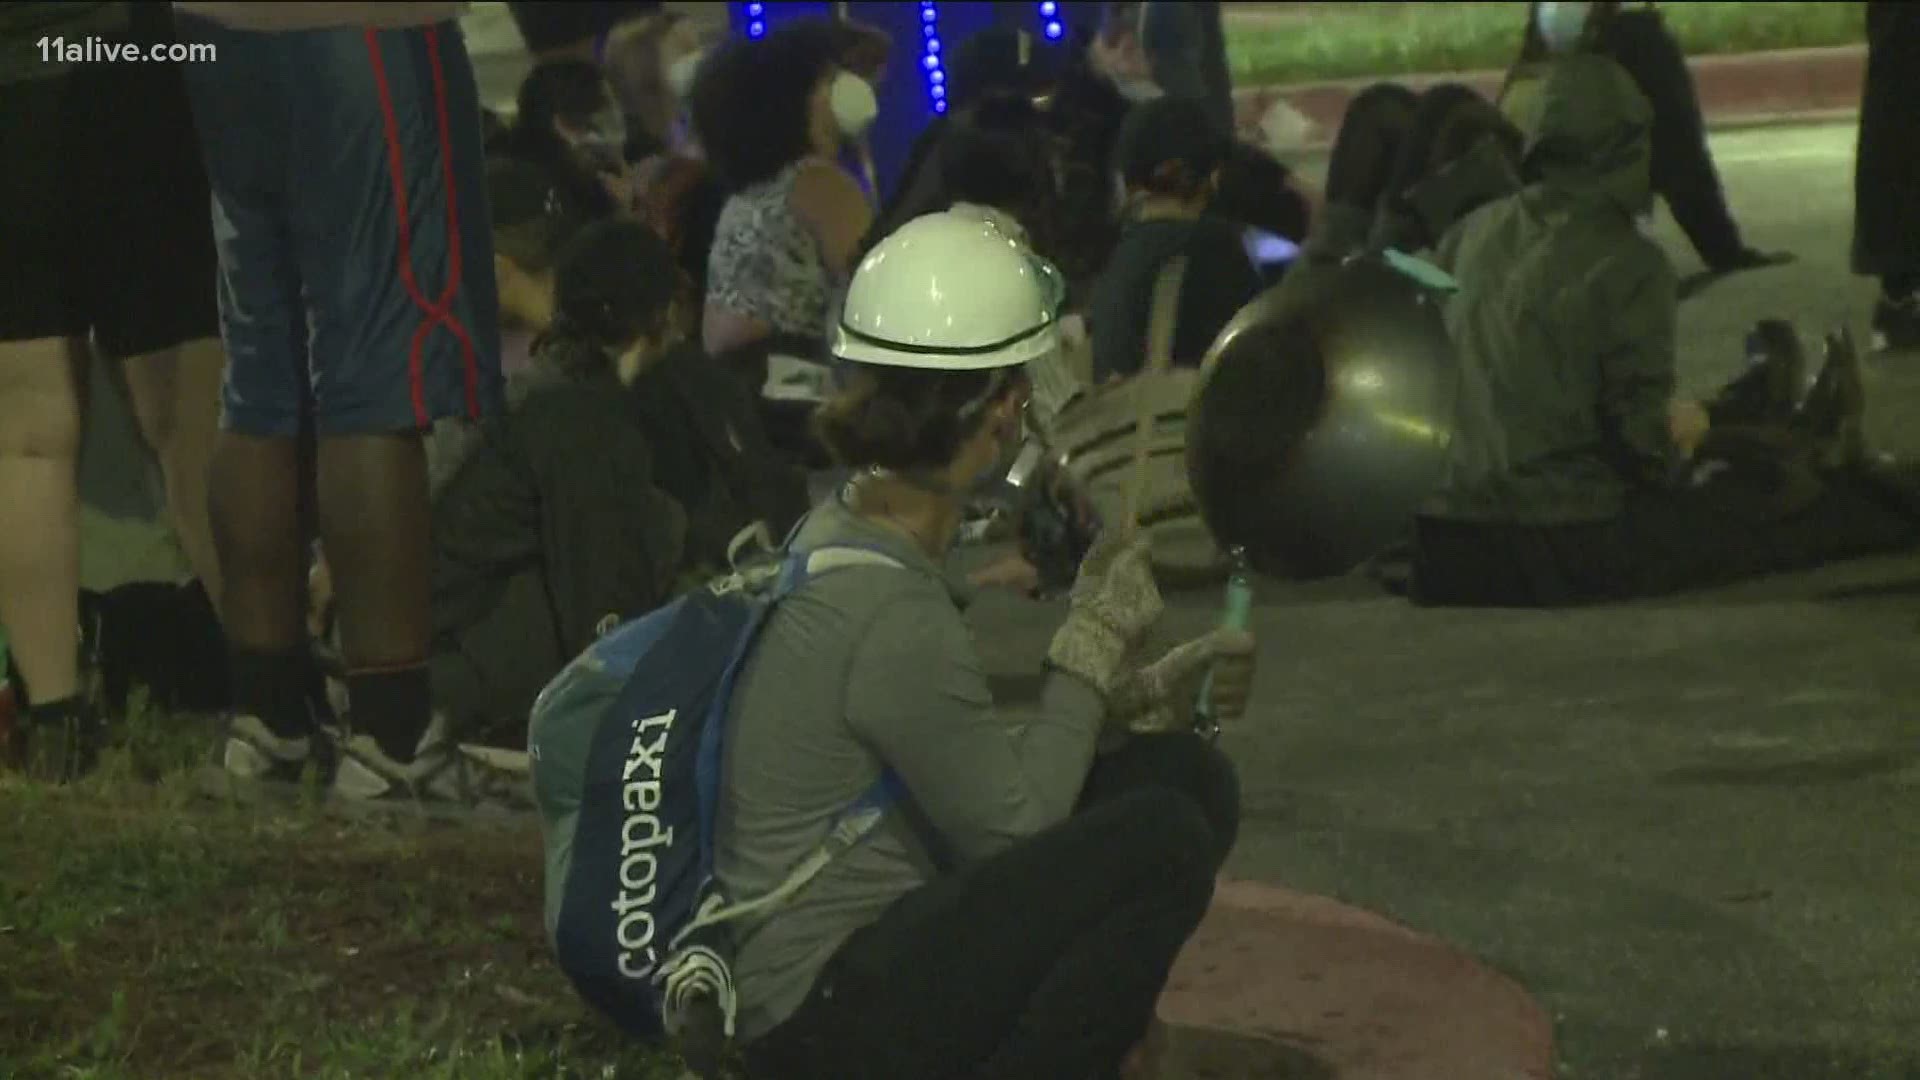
(1734, 90)
(1290, 976)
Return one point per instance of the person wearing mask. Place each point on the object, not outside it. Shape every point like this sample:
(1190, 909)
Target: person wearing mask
(640, 58)
(1635, 37)
(554, 522)
(358, 305)
(773, 115)
(1886, 223)
(1017, 913)
(569, 125)
(106, 243)
(1169, 161)
(1574, 473)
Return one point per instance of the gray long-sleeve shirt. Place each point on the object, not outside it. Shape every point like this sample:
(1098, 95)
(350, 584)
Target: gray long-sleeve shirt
(874, 666)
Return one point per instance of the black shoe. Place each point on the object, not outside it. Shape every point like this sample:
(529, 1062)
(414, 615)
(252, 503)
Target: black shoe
(1768, 391)
(1896, 323)
(59, 746)
(1749, 259)
(1834, 413)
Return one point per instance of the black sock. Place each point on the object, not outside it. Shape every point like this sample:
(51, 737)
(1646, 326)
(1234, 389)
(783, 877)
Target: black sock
(273, 687)
(393, 705)
(57, 710)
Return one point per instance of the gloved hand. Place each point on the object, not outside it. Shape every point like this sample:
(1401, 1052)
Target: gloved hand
(1113, 604)
(1160, 696)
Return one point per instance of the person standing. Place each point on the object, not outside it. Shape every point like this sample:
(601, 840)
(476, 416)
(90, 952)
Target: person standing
(104, 244)
(357, 301)
(1886, 224)
(1635, 37)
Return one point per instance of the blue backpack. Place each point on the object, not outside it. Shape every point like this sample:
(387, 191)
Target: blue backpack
(626, 746)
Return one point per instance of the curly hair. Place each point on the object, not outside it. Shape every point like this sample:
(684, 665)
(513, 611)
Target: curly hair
(752, 102)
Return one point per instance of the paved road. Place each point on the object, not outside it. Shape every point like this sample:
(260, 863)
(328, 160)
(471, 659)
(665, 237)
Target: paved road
(1691, 827)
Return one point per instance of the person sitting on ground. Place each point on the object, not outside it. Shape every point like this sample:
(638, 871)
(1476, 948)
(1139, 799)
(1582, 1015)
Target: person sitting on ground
(787, 237)
(1636, 38)
(568, 124)
(1169, 159)
(995, 161)
(654, 65)
(1574, 474)
(554, 522)
(1460, 154)
(1018, 913)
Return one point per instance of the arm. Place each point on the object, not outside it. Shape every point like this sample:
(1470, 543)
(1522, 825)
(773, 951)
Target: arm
(610, 541)
(920, 700)
(1635, 323)
(835, 211)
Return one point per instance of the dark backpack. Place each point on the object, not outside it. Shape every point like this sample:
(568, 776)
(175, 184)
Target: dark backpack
(626, 746)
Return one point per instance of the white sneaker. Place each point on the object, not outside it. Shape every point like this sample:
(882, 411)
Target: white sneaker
(254, 752)
(441, 772)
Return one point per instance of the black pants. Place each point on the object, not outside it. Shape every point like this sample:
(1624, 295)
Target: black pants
(1041, 963)
(1683, 170)
(1666, 541)
(1886, 224)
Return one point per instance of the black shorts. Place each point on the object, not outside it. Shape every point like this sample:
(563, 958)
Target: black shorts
(105, 227)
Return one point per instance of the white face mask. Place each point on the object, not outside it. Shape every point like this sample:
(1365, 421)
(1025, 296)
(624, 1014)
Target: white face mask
(853, 103)
(1562, 24)
(1138, 90)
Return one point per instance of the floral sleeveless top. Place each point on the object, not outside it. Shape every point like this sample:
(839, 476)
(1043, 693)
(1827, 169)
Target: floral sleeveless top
(765, 263)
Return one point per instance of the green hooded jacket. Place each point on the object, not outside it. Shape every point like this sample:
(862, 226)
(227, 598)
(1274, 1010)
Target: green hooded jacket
(1565, 321)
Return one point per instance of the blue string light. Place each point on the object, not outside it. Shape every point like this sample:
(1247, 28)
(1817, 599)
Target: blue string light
(756, 20)
(930, 55)
(1050, 23)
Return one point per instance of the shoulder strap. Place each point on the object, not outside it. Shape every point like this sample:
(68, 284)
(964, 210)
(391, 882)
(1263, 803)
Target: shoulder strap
(1164, 316)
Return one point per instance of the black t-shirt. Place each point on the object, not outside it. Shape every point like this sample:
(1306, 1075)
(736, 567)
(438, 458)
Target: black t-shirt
(1220, 280)
(24, 23)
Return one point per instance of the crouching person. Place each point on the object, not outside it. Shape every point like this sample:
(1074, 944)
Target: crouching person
(553, 524)
(1017, 913)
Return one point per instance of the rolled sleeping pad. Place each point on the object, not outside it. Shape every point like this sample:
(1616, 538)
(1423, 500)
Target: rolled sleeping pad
(1322, 419)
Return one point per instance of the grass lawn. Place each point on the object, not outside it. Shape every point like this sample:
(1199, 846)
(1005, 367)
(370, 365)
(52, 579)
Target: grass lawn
(1344, 40)
(148, 932)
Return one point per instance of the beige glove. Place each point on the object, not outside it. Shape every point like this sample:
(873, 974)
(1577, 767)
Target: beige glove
(1113, 604)
(1160, 697)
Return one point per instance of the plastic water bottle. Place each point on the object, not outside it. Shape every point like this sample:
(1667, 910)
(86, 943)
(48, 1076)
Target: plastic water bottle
(1238, 614)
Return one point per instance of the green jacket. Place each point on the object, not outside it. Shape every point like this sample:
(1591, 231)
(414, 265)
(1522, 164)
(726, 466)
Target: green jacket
(1564, 325)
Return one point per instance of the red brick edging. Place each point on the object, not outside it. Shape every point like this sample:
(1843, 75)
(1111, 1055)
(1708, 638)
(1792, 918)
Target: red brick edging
(1733, 89)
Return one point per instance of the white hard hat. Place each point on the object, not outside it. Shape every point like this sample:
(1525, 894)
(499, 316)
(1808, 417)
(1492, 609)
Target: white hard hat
(950, 292)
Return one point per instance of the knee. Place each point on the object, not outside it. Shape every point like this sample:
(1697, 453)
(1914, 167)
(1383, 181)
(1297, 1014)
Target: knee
(1173, 836)
(1210, 783)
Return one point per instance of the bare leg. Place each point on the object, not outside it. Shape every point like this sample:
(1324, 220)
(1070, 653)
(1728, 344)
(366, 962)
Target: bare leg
(254, 500)
(42, 387)
(176, 399)
(375, 524)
